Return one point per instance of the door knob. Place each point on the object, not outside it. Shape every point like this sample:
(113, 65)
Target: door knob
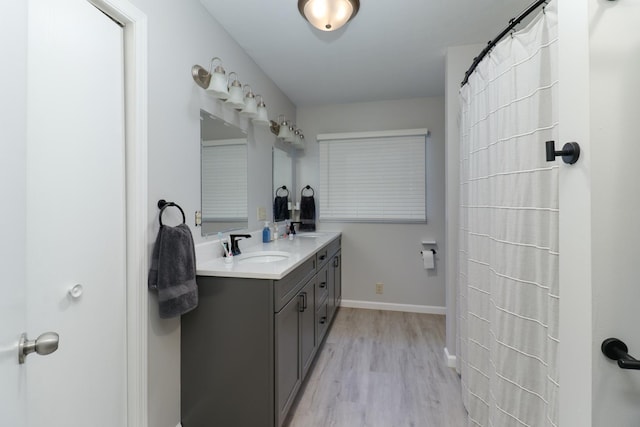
(45, 344)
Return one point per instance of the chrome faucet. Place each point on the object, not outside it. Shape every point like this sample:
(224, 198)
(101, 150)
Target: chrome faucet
(235, 249)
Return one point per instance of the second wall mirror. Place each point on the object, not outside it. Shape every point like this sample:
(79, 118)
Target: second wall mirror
(282, 188)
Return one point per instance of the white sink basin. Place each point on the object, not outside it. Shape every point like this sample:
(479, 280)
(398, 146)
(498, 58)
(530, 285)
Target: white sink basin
(262, 257)
(308, 235)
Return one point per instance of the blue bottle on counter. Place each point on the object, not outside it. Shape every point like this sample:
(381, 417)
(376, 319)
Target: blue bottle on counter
(266, 233)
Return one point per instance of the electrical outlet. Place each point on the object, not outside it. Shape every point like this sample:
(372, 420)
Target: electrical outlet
(262, 213)
(379, 288)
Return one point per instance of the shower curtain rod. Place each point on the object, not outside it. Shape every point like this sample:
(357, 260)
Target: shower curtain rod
(512, 23)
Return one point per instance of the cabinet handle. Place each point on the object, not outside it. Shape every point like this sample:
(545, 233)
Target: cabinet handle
(304, 299)
(336, 262)
(323, 320)
(323, 257)
(301, 306)
(323, 285)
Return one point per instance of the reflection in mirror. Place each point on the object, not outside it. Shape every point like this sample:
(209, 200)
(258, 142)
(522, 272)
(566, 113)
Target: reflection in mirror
(223, 155)
(282, 177)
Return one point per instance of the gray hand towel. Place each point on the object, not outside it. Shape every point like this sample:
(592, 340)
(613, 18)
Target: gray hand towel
(280, 208)
(173, 271)
(307, 213)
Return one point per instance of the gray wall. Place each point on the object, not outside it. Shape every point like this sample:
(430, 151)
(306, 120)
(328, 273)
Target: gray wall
(182, 34)
(458, 60)
(387, 253)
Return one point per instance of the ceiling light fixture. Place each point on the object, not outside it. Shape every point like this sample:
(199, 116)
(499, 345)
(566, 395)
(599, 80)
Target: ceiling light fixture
(328, 15)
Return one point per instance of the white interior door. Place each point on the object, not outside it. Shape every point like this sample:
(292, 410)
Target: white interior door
(599, 210)
(75, 211)
(13, 85)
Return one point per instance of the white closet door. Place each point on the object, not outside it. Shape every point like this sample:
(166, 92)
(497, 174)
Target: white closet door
(75, 208)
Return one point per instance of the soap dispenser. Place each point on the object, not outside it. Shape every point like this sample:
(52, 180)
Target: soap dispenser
(266, 233)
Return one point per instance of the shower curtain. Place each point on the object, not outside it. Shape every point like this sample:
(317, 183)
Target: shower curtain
(508, 260)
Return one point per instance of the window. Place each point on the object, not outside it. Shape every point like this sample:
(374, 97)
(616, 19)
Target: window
(373, 176)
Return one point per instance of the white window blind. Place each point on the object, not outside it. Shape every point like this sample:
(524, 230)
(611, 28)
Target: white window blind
(373, 177)
(224, 181)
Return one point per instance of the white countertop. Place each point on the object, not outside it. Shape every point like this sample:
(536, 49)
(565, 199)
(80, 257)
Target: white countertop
(300, 249)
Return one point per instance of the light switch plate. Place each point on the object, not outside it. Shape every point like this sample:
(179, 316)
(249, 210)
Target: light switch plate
(262, 213)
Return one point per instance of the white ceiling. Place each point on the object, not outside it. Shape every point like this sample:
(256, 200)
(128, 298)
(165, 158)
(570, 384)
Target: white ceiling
(390, 50)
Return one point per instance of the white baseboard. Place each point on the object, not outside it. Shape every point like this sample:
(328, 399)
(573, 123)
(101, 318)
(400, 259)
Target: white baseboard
(409, 308)
(451, 360)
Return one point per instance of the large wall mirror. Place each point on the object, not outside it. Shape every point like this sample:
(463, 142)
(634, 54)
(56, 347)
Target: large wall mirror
(282, 184)
(223, 156)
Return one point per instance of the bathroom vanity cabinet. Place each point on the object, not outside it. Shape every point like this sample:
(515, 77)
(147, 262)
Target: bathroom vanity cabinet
(247, 348)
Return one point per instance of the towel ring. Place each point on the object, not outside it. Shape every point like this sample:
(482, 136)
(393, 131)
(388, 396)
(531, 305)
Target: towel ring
(163, 204)
(284, 187)
(308, 187)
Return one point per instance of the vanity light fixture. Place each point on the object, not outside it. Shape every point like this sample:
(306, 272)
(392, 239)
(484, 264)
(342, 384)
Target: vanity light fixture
(215, 83)
(328, 15)
(284, 131)
(261, 117)
(298, 143)
(274, 127)
(218, 84)
(236, 94)
(292, 134)
(250, 105)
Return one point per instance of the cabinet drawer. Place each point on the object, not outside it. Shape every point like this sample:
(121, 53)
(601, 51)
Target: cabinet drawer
(322, 287)
(322, 257)
(284, 289)
(324, 254)
(322, 322)
(333, 247)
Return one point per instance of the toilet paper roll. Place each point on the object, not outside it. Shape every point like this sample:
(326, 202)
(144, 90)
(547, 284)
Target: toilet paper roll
(429, 261)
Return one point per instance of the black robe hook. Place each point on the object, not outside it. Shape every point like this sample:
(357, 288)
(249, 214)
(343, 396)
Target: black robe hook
(570, 152)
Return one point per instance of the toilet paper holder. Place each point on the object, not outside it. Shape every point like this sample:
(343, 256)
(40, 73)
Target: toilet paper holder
(432, 250)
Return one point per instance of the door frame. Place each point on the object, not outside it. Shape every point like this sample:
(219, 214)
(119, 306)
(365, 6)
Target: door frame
(136, 134)
(575, 352)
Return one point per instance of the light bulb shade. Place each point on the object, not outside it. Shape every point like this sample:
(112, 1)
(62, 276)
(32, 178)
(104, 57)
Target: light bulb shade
(299, 142)
(292, 134)
(218, 84)
(328, 15)
(250, 107)
(235, 96)
(261, 117)
(284, 132)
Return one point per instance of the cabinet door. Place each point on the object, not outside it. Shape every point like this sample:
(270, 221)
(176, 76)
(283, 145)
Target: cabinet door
(307, 326)
(287, 360)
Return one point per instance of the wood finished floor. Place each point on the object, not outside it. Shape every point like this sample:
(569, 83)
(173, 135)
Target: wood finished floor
(381, 369)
